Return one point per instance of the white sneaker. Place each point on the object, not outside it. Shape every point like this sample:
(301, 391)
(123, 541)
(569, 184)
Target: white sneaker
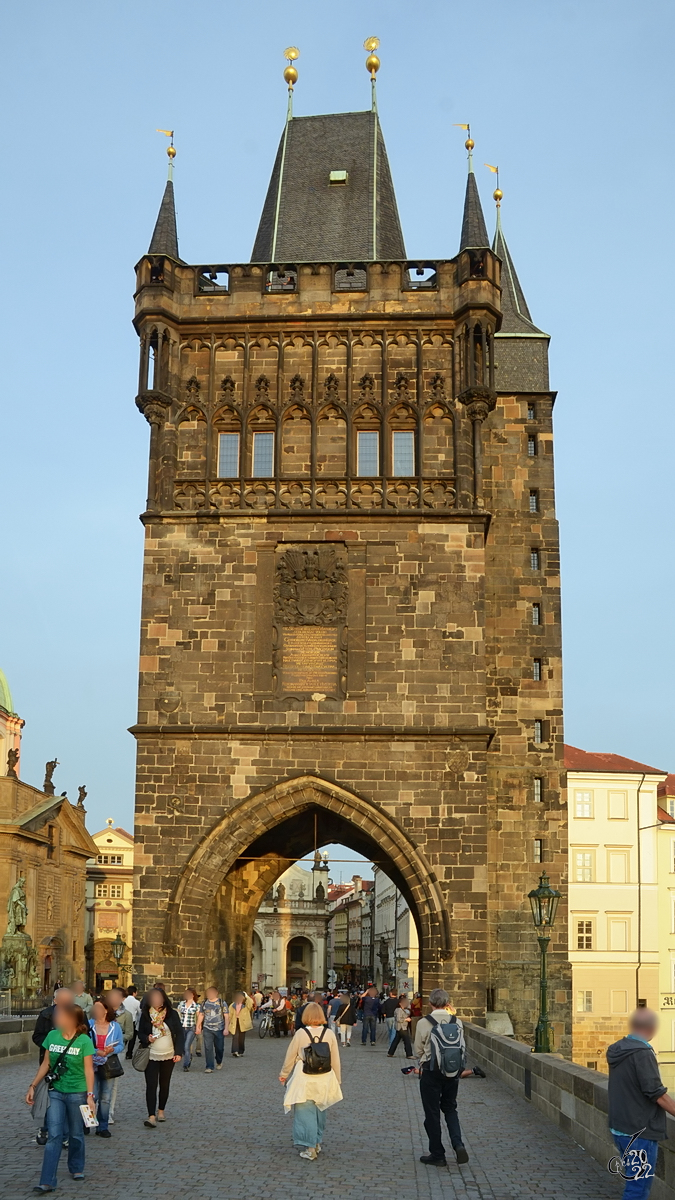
(111, 1121)
(209, 1071)
(318, 1147)
(219, 1066)
(309, 1153)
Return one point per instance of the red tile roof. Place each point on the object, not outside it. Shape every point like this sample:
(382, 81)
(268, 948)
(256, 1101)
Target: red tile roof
(586, 760)
(665, 817)
(667, 788)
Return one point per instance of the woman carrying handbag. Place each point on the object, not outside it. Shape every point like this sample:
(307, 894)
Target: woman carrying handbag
(67, 1072)
(107, 1038)
(162, 1038)
(312, 1069)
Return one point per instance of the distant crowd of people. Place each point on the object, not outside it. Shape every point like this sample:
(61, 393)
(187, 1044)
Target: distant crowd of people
(84, 1039)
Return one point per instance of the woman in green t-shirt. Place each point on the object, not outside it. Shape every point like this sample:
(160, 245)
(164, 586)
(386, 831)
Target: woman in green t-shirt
(73, 1087)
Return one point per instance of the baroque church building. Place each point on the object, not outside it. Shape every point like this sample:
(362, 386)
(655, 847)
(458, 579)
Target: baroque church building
(351, 610)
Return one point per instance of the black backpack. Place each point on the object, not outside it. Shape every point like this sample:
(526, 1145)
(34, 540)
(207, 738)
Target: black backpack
(317, 1055)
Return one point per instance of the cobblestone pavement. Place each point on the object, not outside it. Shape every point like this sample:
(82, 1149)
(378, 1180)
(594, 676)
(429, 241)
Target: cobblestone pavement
(227, 1138)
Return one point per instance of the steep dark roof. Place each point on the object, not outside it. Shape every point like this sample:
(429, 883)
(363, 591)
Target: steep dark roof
(515, 313)
(165, 237)
(321, 221)
(474, 231)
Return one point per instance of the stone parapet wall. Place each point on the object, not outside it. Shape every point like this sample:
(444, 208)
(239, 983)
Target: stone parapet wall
(572, 1096)
(16, 1036)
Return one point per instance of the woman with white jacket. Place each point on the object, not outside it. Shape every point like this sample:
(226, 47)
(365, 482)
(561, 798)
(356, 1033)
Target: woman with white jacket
(309, 1095)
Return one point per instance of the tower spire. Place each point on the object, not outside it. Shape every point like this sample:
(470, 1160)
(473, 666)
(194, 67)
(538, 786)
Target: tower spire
(373, 65)
(515, 312)
(165, 236)
(474, 230)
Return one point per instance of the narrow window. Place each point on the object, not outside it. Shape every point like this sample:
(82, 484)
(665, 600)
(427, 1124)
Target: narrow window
(535, 560)
(583, 804)
(671, 806)
(584, 1001)
(536, 614)
(74, 950)
(531, 412)
(536, 670)
(592, 1066)
(228, 455)
(538, 789)
(583, 866)
(531, 446)
(101, 891)
(368, 452)
(538, 850)
(538, 732)
(263, 455)
(584, 935)
(152, 368)
(403, 452)
(534, 501)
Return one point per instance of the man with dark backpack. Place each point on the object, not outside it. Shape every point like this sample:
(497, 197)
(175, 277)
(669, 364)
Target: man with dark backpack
(439, 1045)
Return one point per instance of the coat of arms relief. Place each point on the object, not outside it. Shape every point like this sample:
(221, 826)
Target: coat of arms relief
(311, 587)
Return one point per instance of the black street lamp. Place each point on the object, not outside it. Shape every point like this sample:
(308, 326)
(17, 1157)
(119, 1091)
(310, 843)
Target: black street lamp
(118, 947)
(544, 901)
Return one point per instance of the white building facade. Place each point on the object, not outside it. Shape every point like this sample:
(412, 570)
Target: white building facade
(289, 934)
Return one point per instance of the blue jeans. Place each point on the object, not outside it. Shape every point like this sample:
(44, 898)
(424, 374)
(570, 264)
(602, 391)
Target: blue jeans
(391, 1031)
(369, 1023)
(214, 1039)
(637, 1189)
(190, 1035)
(64, 1120)
(309, 1123)
(103, 1090)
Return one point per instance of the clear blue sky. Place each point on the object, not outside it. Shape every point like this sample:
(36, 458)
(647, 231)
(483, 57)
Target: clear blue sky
(573, 100)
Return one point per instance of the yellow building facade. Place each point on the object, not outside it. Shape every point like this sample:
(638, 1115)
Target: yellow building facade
(614, 897)
(110, 889)
(666, 840)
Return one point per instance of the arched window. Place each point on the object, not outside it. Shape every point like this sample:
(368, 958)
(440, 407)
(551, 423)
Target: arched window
(262, 428)
(228, 434)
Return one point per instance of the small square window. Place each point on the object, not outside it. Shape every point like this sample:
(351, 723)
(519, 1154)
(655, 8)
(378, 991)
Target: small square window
(671, 806)
(531, 446)
(101, 891)
(538, 854)
(536, 670)
(116, 891)
(536, 614)
(531, 412)
(535, 560)
(538, 789)
(584, 935)
(538, 736)
(592, 1066)
(583, 804)
(534, 501)
(584, 1001)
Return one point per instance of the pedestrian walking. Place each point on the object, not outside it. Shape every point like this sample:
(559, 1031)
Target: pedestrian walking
(159, 1029)
(188, 1011)
(240, 1021)
(84, 999)
(401, 1029)
(300, 1008)
(68, 1056)
(388, 1008)
(311, 1072)
(107, 1038)
(279, 1014)
(133, 1006)
(345, 1018)
(334, 1004)
(116, 997)
(416, 1010)
(370, 1009)
(638, 1103)
(63, 997)
(440, 1048)
(213, 1023)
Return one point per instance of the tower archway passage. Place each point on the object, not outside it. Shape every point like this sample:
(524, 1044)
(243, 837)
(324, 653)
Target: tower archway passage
(210, 915)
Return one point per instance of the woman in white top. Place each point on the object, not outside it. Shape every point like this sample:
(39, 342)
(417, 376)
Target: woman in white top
(160, 1029)
(310, 1095)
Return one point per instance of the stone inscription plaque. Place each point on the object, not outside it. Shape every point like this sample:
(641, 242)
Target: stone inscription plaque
(310, 659)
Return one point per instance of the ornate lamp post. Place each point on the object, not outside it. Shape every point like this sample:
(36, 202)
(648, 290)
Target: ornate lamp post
(544, 901)
(118, 947)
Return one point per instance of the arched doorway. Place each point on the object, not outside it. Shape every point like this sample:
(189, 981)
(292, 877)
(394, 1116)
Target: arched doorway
(210, 915)
(300, 969)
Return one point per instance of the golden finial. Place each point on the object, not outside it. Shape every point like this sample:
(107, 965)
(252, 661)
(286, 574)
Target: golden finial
(497, 194)
(290, 73)
(170, 150)
(372, 62)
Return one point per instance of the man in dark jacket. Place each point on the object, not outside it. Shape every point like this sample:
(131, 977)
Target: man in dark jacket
(43, 1026)
(638, 1103)
(370, 1009)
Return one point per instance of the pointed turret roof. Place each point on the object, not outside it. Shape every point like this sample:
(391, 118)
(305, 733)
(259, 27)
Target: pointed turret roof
(515, 313)
(309, 217)
(474, 230)
(165, 237)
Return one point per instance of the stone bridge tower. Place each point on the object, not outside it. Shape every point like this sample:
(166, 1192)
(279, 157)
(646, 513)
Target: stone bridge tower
(351, 624)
